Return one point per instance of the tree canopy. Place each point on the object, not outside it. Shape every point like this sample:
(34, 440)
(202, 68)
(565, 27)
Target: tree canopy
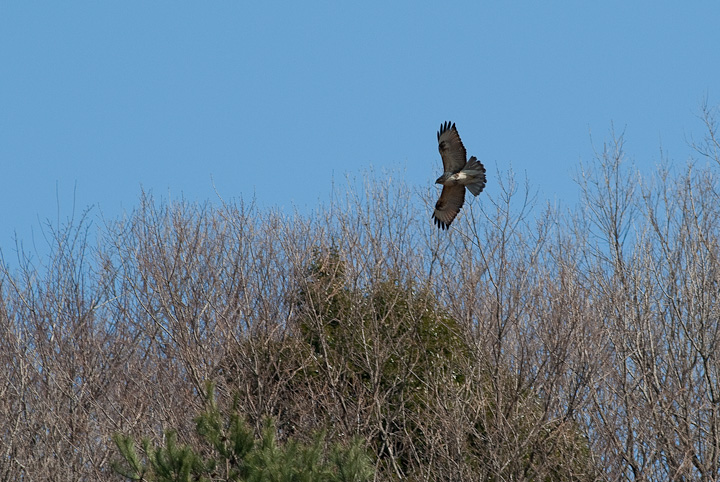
(529, 342)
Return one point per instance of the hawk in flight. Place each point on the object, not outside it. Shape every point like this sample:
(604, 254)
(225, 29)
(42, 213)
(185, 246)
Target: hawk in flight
(458, 174)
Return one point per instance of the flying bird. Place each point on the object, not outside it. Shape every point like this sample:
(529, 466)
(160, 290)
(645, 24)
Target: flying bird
(458, 174)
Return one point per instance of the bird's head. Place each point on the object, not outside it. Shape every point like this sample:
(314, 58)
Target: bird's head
(441, 179)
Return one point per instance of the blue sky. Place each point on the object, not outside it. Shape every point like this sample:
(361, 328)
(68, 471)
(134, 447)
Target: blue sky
(276, 99)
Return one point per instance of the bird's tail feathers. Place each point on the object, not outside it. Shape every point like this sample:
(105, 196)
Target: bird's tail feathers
(474, 165)
(475, 170)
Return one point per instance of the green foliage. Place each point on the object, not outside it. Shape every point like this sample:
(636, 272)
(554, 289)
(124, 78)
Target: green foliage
(306, 463)
(230, 452)
(383, 362)
(386, 341)
(389, 341)
(392, 318)
(132, 466)
(172, 463)
(227, 434)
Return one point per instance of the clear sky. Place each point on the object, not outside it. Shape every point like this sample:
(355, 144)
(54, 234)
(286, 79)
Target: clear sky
(277, 99)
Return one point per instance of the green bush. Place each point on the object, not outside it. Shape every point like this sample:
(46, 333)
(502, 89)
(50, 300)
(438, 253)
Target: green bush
(437, 406)
(229, 451)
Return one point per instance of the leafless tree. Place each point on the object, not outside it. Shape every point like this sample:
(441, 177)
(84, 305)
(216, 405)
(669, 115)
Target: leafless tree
(528, 342)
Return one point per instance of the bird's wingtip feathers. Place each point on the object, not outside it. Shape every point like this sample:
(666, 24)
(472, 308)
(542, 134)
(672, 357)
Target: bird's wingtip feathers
(445, 126)
(440, 224)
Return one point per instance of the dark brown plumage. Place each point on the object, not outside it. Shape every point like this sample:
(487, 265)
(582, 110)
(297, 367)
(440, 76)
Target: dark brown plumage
(457, 174)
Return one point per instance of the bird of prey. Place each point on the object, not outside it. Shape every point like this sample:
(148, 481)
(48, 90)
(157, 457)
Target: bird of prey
(458, 174)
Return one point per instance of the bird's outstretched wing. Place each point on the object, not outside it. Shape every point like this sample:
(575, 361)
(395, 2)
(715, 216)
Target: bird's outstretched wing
(448, 206)
(451, 148)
